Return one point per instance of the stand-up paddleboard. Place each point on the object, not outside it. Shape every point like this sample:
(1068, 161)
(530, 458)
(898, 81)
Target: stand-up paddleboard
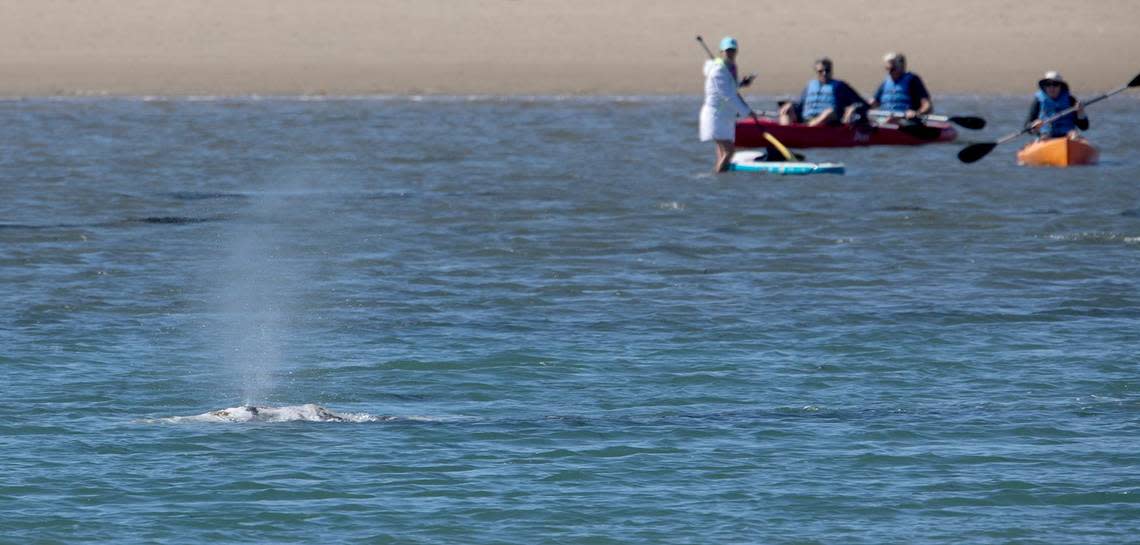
(754, 161)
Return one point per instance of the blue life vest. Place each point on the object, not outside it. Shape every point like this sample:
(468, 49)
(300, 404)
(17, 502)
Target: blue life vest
(1051, 107)
(896, 94)
(817, 98)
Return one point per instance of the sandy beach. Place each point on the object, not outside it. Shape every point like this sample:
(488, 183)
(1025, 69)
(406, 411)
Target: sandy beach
(585, 47)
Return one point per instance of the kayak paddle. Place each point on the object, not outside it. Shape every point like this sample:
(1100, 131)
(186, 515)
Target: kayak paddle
(919, 130)
(780, 147)
(975, 152)
(965, 121)
(788, 156)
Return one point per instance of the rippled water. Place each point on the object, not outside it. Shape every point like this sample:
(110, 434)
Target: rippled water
(541, 321)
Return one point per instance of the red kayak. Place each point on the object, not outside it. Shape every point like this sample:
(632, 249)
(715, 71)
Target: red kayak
(749, 134)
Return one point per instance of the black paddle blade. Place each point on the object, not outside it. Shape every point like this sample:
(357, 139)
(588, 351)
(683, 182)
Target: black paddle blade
(969, 122)
(974, 152)
(1135, 81)
(920, 131)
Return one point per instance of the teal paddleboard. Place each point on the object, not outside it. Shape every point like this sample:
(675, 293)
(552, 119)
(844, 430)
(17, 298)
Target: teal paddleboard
(752, 161)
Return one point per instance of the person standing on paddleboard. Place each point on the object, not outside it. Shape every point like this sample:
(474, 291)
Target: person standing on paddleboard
(1051, 98)
(824, 100)
(723, 103)
(901, 92)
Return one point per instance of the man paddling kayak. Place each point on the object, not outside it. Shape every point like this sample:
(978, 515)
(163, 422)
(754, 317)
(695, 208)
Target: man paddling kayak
(722, 103)
(824, 100)
(1051, 98)
(901, 91)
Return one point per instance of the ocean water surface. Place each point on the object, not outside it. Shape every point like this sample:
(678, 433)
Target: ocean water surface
(490, 321)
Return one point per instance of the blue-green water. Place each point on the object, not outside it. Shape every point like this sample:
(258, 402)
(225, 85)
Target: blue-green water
(541, 321)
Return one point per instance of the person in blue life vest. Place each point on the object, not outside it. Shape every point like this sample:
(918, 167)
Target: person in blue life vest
(825, 100)
(722, 103)
(1051, 98)
(901, 92)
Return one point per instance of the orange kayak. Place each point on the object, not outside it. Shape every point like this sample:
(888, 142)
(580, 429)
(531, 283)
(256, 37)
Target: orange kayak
(1057, 152)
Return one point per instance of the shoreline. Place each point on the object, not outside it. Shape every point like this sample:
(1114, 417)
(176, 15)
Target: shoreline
(454, 98)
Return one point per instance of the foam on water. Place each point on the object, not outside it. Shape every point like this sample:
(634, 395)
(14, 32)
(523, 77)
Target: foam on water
(309, 412)
(1096, 236)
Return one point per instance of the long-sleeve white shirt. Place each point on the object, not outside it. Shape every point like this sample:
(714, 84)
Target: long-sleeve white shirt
(720, 91)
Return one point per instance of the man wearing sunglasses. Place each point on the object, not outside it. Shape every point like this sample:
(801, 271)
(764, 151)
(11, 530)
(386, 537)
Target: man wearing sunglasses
(1050, 99)
(825, 100)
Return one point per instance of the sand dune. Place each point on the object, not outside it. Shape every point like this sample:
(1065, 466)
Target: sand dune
(138, 47)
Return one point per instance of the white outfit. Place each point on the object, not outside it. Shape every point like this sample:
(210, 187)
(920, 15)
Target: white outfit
(722, 103)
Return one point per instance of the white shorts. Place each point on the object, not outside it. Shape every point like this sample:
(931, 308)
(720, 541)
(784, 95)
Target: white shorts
(717, 125)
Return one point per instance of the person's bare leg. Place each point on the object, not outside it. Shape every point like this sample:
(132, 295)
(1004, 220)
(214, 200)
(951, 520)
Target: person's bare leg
(849, 114)
(826, 116)
(788, 114)
(724, 150)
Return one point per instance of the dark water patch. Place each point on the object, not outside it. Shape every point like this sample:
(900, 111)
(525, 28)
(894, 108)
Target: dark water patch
(1091, 311)
(174, 220)
(32, 227)
(1122, 497)
(413, 160)
(206, 195)
(905, 208)
(153, 220)
(554, 136)
(390, 195)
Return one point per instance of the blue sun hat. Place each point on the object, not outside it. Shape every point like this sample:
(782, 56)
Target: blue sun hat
(728, 42)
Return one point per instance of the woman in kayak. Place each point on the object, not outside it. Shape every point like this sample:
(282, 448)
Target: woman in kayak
(901, 92)
(722, 103)
(1051, 97)
(825, 100)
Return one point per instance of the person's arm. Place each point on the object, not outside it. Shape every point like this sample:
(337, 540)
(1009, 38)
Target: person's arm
(851, 105)
(925, 106)
(878, 98)
(1034, 111)
(1082, 120)
(849, 96)
(844, 96)
(822, 118)
(728, 88)
(918, 91)
(722, 89)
